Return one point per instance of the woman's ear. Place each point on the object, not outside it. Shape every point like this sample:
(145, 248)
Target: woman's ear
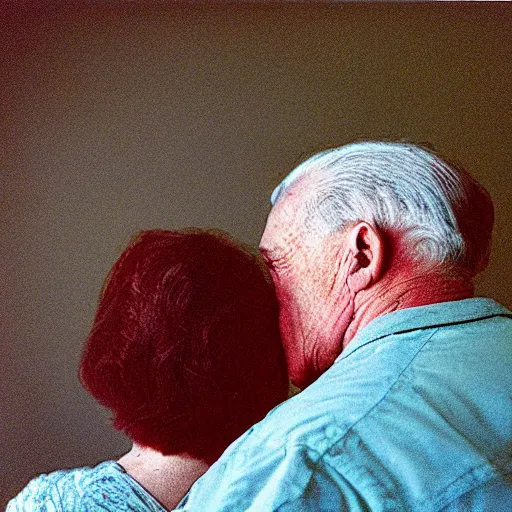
(366, 247)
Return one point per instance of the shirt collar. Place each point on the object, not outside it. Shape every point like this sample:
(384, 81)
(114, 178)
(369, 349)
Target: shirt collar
(422, 317)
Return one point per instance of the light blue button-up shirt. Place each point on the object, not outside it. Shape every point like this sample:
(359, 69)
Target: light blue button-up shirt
(415, 415)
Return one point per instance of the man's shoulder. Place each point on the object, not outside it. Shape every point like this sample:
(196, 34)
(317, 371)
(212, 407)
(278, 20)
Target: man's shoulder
(442, 357)
(383, 425)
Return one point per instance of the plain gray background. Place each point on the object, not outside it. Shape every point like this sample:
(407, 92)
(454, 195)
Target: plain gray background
(122, 118)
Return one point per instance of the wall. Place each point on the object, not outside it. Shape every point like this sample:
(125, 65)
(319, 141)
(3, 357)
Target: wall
(122, 118)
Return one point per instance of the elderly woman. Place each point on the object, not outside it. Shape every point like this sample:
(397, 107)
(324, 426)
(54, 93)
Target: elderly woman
(185, 352)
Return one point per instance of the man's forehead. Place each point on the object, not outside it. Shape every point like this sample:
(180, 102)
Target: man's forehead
(286, 210)
(291, 201)
(285, 221)
(277, 223)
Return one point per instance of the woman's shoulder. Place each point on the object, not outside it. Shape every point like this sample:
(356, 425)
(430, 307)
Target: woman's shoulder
(105, 487)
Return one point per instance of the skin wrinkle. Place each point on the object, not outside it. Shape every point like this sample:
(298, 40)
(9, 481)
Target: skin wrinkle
(337, 270)
(341, 315)
(338, 283)
(304, 336)
(352, 304)
(310, 344)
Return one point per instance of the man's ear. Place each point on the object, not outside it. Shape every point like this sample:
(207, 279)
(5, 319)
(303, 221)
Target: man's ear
(366, 247)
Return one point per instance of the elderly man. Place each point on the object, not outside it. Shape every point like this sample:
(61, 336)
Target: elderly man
(407, 406)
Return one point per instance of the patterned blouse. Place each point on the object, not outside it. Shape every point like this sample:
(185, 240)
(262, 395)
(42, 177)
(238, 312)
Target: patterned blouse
(106, 488)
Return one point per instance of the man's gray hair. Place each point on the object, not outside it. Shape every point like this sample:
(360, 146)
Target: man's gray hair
(445, 216)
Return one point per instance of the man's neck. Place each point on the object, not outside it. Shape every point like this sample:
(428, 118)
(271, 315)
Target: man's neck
(167, 477)
(407, 292)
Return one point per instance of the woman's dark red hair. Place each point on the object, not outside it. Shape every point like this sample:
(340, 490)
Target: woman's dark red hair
(185, 348)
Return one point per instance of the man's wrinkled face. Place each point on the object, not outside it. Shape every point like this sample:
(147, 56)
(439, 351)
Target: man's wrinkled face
(313, 300)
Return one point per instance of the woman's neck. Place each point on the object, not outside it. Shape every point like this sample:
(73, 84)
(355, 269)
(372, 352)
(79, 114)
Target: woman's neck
(167, 477)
